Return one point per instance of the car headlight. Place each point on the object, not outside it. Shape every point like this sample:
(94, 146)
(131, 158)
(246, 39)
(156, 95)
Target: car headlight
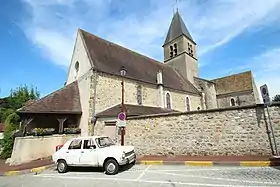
(123, 155)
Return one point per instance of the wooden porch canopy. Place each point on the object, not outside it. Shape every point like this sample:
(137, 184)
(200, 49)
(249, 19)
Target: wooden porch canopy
(59, 104)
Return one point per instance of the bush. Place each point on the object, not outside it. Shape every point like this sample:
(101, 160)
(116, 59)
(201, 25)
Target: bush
(41, 132)
(72, 130)
(11, 124)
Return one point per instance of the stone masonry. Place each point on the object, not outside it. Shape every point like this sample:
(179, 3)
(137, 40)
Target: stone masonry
(230, 131)
(109, 94)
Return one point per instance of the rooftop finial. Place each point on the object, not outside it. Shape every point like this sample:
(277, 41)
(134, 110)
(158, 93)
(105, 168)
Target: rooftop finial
(176, 4)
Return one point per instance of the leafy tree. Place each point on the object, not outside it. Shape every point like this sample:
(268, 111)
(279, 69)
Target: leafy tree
(276, 98)
(21, 95)
(8, 107)
(4, 113)
(11, 124)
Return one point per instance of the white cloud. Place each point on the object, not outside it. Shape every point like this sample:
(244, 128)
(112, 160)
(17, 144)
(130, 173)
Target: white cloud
(265, 68)
(53, 24)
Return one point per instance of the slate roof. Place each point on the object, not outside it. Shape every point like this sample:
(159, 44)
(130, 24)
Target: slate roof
(234, 83)
(133, 110)
(177, 28)
(108, 57)
(2, 127)
(65, 100)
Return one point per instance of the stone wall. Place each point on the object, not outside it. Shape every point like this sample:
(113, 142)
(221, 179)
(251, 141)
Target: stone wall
(230, 131)
(109, 94)
(208, 88)
(240, 98)
(178, 101)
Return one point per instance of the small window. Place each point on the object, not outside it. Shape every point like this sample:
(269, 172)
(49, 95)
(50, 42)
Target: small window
(232, 102)
(188, 103)
(190, 49)
(168, 101)
(139, 95)
(87, 144)
(75, 144)
(77, 66)
(173, 50)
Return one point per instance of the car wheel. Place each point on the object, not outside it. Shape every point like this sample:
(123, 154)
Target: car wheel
(111, 167)
(62, 166)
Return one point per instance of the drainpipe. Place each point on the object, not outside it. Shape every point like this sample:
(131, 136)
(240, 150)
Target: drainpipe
(160, 88)
(94, 101)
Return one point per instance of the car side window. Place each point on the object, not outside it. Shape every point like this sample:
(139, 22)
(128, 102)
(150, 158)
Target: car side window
(75, 144)
(87, 144)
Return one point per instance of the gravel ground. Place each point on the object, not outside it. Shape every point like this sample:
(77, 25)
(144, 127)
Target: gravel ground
(155, 175)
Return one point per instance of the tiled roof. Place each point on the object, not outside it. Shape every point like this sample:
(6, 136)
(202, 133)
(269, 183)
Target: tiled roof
(65, 100)
(177, 28)
(2, 127)
(133, 110)
(108, 57)
(234, 83)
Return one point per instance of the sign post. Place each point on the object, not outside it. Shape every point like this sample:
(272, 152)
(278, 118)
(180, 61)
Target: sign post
(266, 101)
(122, 124)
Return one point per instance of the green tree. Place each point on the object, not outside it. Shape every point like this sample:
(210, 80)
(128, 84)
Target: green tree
(4, 113)
(11, 124)
(8, 107)
(276, 98)
(21, 95)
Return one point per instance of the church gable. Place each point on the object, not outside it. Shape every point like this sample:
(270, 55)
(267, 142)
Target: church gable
(80, 62)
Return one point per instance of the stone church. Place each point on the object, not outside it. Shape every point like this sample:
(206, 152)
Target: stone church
(92, 92)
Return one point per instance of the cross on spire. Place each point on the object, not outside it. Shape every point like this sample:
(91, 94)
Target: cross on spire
(175, 4)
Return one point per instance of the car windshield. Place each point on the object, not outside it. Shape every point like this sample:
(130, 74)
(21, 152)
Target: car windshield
(104, 142)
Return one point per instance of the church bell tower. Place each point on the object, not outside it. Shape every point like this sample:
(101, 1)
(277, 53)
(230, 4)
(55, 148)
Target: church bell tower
(180, 49)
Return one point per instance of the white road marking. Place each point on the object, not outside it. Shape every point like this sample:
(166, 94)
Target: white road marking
(135, 180)
(215, 178)
(143, 173)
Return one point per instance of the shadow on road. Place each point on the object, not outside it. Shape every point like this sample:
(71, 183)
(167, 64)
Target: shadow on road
(97, 170)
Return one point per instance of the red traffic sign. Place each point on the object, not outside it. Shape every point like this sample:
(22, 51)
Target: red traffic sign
(121, 116)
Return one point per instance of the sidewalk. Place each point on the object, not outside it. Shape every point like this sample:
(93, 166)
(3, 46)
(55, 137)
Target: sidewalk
(33, 166)
(211, 160)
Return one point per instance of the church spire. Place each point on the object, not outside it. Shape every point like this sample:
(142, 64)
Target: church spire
(177, 28)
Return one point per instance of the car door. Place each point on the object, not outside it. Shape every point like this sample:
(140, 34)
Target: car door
(73, 152)
(89, 154)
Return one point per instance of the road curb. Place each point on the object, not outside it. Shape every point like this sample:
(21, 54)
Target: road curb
(26, 171)
(211, 163)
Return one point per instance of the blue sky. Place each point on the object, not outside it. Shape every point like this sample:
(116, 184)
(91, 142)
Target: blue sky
(37, 36)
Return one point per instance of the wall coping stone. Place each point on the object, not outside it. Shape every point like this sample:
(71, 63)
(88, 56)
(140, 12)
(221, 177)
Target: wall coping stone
(203, 111)
(45, 137)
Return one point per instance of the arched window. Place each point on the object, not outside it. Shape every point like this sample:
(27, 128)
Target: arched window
(188, 103)
(77, 66)
(139, 95)
(232, 102)
(168, 101)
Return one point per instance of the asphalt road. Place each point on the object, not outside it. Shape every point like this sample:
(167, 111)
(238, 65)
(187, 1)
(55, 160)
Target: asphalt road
(155, 175)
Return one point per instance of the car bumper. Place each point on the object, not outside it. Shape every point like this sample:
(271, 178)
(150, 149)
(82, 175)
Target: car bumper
(128, 160)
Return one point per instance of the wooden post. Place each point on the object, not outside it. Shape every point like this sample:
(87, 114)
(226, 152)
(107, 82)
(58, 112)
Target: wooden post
(28, 121)
(61, 123)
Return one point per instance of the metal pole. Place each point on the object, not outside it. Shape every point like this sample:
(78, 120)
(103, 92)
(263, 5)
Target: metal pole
(122, 128)
(272, 132)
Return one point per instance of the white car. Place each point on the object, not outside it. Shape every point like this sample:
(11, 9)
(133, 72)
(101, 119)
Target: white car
(93, 151)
